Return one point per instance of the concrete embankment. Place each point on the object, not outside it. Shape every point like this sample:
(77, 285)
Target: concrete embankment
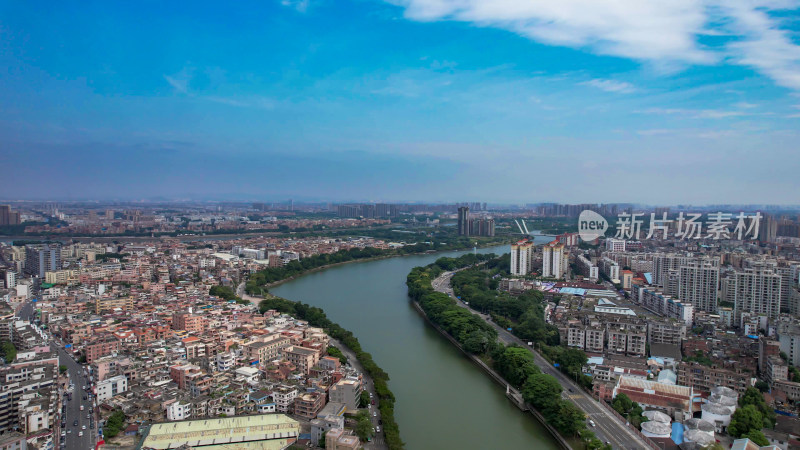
(511, 393)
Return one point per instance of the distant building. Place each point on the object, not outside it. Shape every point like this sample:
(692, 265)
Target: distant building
(615, 245)
(481, 227)
(521, 256)
(554, 260)
(463, 221)
(698, 284)
(40, 259)
(755, 290)
(587, 268)
(8, 216)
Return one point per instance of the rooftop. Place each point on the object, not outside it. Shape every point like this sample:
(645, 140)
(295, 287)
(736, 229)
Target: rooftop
(245, 432)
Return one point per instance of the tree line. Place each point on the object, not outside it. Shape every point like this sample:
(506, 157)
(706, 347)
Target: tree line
(257, 282)
(316, 317)
(514, 363)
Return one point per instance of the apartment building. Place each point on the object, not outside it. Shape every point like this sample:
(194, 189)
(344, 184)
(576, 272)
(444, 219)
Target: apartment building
(521, 257)
(101, 347)
(587, 268)
(615, 245)
(110, 387)
(267, 349)
(657, 302)
(788, 334)
(40, 259)
(102, 304)
(347, 391)
(555, 260)
(303, 358)
(705, 378)
(284, 398)
(309, 404)
(629, 338)
(29, 396)
(666, 332)
(698, 284)
(610, 268)
(755, 290)
(188, 322)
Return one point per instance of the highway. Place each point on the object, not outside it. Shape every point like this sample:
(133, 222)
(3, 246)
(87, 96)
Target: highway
(608, 427)
(76, 436)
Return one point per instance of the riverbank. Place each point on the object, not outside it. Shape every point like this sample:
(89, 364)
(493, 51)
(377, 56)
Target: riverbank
(316, 317)
(391, 254)
(441, 400)
(511, 393)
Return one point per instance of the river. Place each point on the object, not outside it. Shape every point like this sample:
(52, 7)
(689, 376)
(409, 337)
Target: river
(443, 401)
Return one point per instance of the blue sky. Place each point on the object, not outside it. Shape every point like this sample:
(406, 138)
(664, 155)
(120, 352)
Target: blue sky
(434, 100)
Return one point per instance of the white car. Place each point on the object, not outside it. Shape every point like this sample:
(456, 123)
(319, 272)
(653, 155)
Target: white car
(80, 433)
(83, 427)
(378, 428)
(374, 414)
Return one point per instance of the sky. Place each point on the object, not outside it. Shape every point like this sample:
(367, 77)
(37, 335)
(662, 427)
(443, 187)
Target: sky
(505, 101)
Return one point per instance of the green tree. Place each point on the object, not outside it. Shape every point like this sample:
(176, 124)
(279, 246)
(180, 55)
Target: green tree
(758, 437)
(571, 360)
(114, 424)
(762, 386)
(62, 368)
(566, 418)
(541, 390)
(363, 426)
(8, 351)
(336, 353)
(753, 396)
(516, 365)
(622, 404)
(744, 420)
(364, 400)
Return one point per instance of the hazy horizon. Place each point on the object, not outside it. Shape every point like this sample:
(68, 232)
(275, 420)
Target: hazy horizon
(656, 103)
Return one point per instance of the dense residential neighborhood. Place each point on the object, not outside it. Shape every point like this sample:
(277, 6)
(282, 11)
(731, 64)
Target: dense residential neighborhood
(147, 333)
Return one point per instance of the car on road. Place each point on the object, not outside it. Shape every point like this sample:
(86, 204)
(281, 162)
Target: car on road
(591, 422)
(91, 425)
(80, 433)
(83, 427)
(379, 429)
(374, 414)
(75, 423)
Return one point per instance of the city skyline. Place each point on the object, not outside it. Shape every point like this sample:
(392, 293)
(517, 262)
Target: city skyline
(417, 99)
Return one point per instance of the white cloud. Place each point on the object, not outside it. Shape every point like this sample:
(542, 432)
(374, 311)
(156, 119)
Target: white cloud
(695, 113)
(180, 85)
(299, 5)
(664, 33)
(622, 87)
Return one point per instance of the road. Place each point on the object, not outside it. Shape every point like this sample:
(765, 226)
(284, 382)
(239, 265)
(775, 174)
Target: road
(608, 427)
(72, 407)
